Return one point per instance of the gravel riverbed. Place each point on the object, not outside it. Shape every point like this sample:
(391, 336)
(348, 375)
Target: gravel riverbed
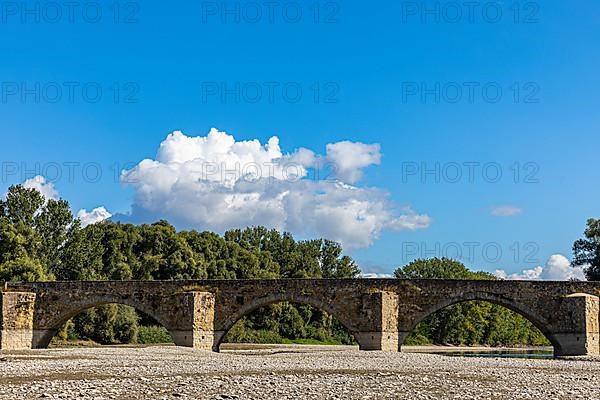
(286, 372)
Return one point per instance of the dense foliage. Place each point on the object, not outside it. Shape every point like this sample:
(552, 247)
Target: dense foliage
(40, 240)
(32, 235)
(471, 322)
(285, 322)
(587, 251)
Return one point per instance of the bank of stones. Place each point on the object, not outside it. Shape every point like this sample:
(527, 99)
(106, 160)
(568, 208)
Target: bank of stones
(286, 373)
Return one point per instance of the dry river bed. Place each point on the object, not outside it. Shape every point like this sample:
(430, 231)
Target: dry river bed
(286, 372)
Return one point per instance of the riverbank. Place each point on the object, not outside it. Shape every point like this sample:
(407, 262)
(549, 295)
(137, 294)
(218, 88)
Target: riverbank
(286, 372)
(310, 346)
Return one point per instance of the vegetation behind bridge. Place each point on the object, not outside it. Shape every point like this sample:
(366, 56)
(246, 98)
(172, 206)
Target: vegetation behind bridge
(41, 240)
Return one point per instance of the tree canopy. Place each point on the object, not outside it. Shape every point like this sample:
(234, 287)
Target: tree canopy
(587, 251)
(438, 268)
(33, 233)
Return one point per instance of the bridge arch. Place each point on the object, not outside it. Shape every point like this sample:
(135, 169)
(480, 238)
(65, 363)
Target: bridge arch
(532, 315)
(43, 337)
(274, 298)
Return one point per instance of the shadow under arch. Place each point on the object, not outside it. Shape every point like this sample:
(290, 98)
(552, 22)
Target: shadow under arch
(540, 323)
(275, 298)
(43, 337)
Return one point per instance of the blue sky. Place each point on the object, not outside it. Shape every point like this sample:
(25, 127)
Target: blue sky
(370, 64)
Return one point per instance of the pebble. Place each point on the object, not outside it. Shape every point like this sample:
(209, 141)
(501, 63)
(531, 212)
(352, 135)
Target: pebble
(287, 372)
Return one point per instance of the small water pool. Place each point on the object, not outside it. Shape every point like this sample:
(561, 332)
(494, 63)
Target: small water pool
(509, 353)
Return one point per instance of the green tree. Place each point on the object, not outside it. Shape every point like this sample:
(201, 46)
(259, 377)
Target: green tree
(20, 243)
(291, 323)
(587, 251)
(82, 257)
(107, 324)
(55, 226)
(164, 254)
(333, 264)
(438, 268)
(41, 227)
(23, 269)
(210, 250)
(21, 205)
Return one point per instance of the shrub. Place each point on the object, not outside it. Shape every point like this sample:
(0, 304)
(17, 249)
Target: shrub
(153, 334)
(107, 324)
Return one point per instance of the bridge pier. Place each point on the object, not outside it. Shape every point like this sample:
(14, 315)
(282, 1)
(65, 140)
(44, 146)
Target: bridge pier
(381, 310)
(576, 332)
(16, 320)
(194, 326)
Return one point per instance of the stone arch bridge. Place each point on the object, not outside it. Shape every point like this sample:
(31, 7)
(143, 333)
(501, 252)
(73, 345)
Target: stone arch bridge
(380, 313)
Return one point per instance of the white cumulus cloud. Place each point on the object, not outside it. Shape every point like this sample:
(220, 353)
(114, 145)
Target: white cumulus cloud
(410, 221)
(43, 186)
(351, 157)
(98, 214)
(557, 268)
(506, 211)
(47, 189)
(215, 182)
(371, 269)
(375, 275)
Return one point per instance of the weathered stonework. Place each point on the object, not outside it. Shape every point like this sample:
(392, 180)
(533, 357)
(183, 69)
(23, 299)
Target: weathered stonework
(16, 320)
(577, 331)
(195, 327)
(380, 313)
(381, 308)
